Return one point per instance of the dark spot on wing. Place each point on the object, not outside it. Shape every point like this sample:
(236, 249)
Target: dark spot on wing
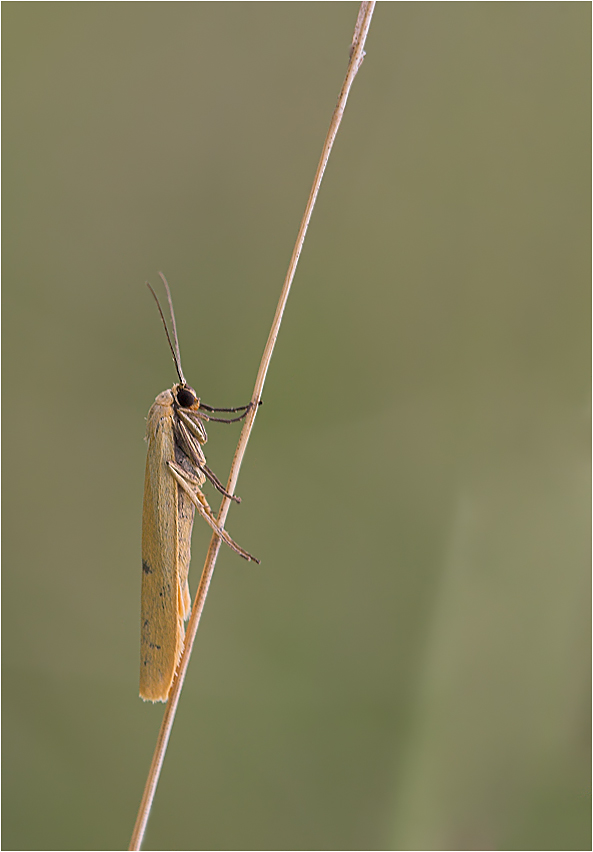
(146, 567)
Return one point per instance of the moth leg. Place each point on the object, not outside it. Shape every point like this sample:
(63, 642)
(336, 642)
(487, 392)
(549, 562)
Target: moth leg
(238, 408)
(190, 485)
(212, 477)
(223, 419)
(192, 449)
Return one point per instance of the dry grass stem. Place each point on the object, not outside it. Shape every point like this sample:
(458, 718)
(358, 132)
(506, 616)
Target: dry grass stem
(356, 56)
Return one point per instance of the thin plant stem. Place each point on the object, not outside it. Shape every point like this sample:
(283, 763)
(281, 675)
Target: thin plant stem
(356, 57)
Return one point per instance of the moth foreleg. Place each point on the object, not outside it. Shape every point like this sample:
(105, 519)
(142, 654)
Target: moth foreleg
(238, 407)
(190, 485)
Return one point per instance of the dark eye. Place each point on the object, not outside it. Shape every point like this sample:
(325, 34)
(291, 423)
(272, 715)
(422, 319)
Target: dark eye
(186, 398)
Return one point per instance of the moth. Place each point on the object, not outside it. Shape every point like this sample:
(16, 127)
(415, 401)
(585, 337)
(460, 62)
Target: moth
(176, 469)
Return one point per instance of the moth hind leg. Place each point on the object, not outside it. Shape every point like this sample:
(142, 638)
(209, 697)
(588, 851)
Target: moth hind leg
(190, 485)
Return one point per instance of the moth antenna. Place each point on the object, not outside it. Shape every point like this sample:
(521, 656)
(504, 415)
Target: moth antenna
(170, 300)
(174, 352)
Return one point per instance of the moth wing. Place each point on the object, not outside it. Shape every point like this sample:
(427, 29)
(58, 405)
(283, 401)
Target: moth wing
(162, 602)
(188, 456)
(185, 522)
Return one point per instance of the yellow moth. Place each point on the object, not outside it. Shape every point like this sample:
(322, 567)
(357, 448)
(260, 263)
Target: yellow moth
(176, 469)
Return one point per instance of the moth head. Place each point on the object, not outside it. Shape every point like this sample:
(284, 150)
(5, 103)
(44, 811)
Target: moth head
(185, 396)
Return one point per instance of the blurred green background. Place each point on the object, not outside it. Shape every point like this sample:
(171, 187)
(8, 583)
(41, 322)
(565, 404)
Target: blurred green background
(408, 668)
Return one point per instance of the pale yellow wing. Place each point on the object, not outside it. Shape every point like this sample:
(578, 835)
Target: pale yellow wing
(162, 604)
